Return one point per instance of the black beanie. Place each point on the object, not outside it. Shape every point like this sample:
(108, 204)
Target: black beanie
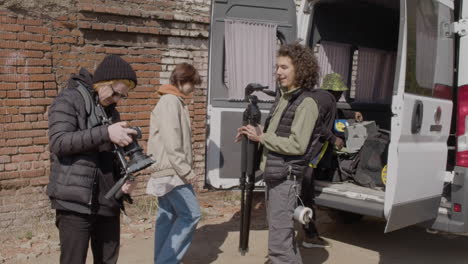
(114, 67)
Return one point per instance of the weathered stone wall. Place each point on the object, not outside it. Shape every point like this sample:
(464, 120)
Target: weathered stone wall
(43, 42)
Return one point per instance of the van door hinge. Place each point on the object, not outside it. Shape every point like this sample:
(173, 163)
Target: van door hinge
(460, 27)
(308, 6)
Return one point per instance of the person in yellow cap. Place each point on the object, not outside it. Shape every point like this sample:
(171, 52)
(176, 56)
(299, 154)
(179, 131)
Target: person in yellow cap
(333, 83)
(331, 91)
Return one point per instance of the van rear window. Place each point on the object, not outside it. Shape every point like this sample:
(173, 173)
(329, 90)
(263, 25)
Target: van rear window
(430, 49)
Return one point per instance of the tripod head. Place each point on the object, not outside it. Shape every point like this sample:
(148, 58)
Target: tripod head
(256, 87)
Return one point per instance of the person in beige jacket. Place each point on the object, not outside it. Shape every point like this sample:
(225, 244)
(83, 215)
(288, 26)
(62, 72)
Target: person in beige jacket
(170, 143)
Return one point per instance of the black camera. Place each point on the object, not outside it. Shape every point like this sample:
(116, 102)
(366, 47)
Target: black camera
(137, 159)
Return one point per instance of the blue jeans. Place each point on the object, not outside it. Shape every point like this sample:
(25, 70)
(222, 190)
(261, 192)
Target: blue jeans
(176, 220)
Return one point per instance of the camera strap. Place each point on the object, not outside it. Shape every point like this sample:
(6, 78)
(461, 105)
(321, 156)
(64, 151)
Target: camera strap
(92, 117)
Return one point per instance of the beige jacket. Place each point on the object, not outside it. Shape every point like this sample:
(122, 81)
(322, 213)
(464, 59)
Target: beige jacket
(170, 138)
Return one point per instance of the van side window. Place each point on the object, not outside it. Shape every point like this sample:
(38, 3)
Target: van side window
(429, 65)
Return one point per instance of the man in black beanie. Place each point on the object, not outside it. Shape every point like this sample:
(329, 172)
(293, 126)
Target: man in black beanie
(83, 166)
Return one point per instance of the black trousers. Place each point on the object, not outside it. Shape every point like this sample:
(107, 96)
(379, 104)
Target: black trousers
(76, 230)
(307, 197)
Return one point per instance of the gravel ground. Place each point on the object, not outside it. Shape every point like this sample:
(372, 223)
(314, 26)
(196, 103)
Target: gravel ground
(216, 240)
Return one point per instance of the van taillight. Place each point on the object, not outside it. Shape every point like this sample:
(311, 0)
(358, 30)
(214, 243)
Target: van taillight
(443, 91)
(462, 113)
(457, 208)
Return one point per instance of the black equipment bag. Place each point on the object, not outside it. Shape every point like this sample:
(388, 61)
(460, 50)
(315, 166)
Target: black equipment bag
(346, 164)
(363, 167)
(373, 158)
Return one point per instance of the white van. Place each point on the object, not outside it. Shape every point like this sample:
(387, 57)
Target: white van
(406, 64)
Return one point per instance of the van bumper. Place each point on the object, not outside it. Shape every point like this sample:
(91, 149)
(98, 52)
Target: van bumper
(451, 221)
(448, 220)
(444, 223)
(363, 207)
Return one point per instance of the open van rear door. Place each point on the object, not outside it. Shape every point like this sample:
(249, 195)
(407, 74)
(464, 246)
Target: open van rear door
(463, 46)
(422, 109)
(224, 115)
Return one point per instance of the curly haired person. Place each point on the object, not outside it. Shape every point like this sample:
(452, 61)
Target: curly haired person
(290, 139)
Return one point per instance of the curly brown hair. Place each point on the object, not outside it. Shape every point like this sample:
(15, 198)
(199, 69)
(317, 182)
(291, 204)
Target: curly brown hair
(305, 64)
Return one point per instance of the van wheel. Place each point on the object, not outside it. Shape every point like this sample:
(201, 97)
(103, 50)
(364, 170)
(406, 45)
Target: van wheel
(348, 217)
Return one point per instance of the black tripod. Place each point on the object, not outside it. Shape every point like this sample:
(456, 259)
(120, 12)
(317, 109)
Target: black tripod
(249, 160)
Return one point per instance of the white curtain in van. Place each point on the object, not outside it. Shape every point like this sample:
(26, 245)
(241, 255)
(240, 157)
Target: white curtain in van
(375, 75)
(334, 58)
(250, 56)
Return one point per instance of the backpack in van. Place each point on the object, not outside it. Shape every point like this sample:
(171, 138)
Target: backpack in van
(347, 163)
(372, 160)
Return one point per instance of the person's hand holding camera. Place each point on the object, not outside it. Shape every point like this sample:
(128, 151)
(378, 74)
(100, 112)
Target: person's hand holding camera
(128, 186)
(120, 134)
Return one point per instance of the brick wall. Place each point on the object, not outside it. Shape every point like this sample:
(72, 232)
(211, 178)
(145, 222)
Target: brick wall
(37, 55)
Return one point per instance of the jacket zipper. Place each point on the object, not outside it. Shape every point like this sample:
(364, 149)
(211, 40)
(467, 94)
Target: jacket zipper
(93, 188)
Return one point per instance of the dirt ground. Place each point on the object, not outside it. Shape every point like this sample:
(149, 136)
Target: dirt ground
(217, 238)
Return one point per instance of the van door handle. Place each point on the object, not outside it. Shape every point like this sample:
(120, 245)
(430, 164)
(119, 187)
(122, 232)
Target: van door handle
(416, 121)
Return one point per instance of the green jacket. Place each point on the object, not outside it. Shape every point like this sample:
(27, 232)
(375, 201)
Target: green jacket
(301, 130)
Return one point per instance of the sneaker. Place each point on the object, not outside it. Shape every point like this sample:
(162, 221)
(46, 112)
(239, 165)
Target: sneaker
(315, 242)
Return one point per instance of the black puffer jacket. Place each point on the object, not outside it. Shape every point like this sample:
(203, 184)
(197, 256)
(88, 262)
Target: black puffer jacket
(82, 167)
(278, 166)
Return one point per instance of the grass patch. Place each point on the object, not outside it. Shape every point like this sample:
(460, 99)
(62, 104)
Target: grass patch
(230, 196)
(143, 206)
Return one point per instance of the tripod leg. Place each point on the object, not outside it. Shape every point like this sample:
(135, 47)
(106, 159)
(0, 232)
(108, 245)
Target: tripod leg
(250, 185)
(242, 211)
(242, 182)
(248, 212)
